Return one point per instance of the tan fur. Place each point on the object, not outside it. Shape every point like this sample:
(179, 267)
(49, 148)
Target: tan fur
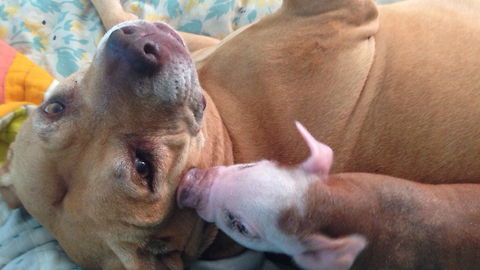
(394, 94)
(392, 89)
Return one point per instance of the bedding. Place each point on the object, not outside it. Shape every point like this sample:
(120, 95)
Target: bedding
(45, 41)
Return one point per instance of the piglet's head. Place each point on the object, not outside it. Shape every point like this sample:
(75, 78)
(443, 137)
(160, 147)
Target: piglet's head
(248, 203)
(321, 156)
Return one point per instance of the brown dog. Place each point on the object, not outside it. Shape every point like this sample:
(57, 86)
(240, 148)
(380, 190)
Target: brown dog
(99, 161)
(392, 89)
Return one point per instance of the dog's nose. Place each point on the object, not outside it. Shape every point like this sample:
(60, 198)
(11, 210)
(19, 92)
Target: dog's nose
(138, 46)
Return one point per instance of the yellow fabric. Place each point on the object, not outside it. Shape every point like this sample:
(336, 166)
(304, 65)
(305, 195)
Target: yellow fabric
(26, 81)
(3, 151)
(9, 107)
(8, 133)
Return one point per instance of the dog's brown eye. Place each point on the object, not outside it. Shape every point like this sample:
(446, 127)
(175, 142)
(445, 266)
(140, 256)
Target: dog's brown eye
(54, 108)
(142, 168)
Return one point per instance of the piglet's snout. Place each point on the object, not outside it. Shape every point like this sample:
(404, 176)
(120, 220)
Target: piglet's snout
(195, 191)
(189, 192)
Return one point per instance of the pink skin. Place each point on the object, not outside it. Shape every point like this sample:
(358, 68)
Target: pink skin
(246, 200)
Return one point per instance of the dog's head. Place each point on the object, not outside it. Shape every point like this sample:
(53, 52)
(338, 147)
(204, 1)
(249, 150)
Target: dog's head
(99, 161)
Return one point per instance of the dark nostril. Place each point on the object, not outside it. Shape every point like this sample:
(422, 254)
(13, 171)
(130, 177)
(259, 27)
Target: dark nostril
(128, 30)
(150, 49)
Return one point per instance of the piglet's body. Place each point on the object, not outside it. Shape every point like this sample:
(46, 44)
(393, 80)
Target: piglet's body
(341, 221)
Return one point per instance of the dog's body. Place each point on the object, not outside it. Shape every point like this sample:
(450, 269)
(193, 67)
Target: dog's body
(393, 90)
(324, 221)
(395, 94)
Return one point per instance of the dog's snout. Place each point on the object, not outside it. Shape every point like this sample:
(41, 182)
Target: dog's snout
(139, 47)
(149, 46)
(148, 65)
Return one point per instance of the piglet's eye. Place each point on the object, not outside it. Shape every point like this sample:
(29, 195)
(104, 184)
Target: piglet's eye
(243, 230)
(233, 223)
(54, 108)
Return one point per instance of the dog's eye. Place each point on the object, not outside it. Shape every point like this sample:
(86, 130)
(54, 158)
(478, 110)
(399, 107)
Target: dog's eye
(54, 108)
(142, 168)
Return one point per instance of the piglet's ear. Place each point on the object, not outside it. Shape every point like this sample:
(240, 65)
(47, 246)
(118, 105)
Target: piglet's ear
(324, 253)
(321, 155)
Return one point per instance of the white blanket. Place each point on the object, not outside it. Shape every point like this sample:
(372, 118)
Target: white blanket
(26, 245)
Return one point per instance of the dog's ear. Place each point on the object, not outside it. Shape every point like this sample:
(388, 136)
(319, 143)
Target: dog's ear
(327, 253)
(7, 188)
(321, 155)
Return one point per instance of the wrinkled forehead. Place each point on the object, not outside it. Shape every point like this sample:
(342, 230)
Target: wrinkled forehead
(71, 82)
